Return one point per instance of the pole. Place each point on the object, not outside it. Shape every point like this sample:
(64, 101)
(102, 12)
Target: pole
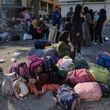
(105, 4)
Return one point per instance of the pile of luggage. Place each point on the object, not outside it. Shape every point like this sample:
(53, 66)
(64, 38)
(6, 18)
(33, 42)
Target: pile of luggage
(52, 68)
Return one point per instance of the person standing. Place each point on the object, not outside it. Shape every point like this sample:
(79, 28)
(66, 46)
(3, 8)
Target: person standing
(56, 17)
(70, 13)
(77, 21)
(26, 18)
(91, 25)
(99, 25)
(86, 27)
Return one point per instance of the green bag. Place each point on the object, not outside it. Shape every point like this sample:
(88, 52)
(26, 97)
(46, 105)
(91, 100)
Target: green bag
(99, 73)
(62, 49)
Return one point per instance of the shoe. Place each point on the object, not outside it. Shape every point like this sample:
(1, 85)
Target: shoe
(78, 54)
(95, 43)
(101, 44)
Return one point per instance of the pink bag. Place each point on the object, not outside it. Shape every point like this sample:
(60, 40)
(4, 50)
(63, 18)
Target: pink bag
(79, 76)
(21, 69)
(88, 91)
(34, 61)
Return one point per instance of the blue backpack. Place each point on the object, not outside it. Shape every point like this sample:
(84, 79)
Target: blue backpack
(103, 60)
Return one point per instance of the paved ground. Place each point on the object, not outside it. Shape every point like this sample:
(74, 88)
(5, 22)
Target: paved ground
(47, 102)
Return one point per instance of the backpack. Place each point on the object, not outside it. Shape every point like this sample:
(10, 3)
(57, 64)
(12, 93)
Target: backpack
(7, 84)
(80, 64)
(20, 88)
(79, 76)
(52, 70)
(49, 64)
(105, 90)
(66, 96)
(21, 69)
(103, 60)
(99, 73)
(65, 63)
(13, 85)
(62, 49)
(89, 91)
(34, 61)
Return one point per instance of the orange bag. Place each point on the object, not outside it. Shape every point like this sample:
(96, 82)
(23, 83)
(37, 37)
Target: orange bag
(33, 89)
(52, 87)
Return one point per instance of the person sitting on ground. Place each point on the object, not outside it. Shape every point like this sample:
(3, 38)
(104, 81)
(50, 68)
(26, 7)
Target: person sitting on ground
(35, 30)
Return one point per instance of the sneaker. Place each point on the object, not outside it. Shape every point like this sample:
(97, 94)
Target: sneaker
(101, 44)
(95, 43)
(78, 54)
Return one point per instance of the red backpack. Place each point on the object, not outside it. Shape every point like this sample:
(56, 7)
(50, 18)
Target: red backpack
(80, 76)
(34, 61)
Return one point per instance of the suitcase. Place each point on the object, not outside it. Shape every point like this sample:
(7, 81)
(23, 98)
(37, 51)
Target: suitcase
(52, 34)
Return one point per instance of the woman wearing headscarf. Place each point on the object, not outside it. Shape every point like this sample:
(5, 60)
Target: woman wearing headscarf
(77, 21)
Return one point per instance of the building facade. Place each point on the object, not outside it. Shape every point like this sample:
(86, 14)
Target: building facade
(11, 8)
(47, 6)
(66, 4)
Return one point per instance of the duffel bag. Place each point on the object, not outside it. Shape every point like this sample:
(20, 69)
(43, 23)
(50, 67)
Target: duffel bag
(66, 64)
(79, 76)
(80, 64)
(103, 59)
(99, 73)
(88, 91)
(62, 49)
(40, 44)
(67, 97)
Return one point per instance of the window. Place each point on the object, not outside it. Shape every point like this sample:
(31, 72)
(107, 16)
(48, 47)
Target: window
(50, 7)
(11, 2)
(43, 6)
(12, 7)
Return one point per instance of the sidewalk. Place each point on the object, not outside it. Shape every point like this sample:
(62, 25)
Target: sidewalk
(46, 102)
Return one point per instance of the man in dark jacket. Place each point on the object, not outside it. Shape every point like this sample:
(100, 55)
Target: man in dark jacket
(70, 13)
(56, 17)
(99, 26)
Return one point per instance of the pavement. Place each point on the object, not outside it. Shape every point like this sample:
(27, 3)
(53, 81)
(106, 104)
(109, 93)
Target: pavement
(47, 101)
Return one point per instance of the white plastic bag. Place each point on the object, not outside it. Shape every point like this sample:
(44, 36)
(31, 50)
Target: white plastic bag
(27, 36)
